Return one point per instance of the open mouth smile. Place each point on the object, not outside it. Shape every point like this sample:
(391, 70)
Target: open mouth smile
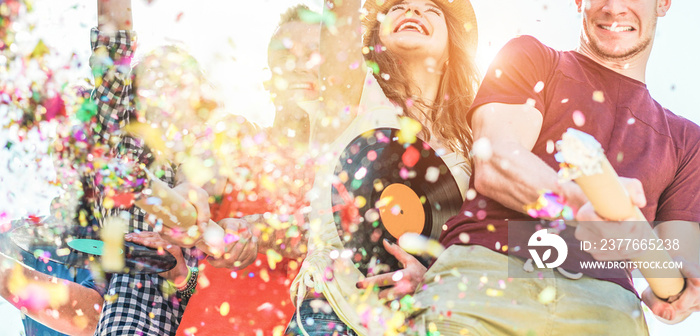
(617, 28)
(411, 25)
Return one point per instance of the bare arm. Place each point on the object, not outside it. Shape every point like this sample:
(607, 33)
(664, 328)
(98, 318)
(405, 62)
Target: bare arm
(78, 312)
(513, 175)
(343, 69)
(688, 235)
(114, 15)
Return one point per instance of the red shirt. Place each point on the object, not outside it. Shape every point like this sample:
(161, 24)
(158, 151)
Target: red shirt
(257, 297)
(641, 140)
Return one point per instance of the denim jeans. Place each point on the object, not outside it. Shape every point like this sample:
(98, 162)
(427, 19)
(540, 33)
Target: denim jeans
(321, 321)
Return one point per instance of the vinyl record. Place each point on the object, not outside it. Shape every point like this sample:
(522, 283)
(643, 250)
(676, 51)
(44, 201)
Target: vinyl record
(385, 189)
(74, 247)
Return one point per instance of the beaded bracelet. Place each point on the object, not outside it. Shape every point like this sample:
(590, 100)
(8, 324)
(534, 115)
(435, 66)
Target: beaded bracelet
(187, 291)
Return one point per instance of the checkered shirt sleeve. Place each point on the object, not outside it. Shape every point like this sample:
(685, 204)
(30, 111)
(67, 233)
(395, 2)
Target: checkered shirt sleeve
(135, 304)
(111, 66)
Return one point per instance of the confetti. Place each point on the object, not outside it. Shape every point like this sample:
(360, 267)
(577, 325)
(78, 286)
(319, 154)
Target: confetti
(547, 295)
(598, 96)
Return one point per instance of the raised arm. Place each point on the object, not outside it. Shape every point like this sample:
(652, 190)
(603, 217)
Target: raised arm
(113, 15)
(343, 69)
(113, 45)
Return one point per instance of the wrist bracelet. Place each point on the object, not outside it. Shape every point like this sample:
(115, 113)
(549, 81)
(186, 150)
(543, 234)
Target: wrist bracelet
(187, 291)
(182, 284)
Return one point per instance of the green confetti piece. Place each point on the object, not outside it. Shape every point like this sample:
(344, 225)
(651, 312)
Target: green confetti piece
(374, 66)
(87, 110)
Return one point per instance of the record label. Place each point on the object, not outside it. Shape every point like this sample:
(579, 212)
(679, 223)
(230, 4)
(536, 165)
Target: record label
(386, 188)
(400, 210)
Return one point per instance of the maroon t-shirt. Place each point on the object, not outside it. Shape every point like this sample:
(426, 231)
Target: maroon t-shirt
(641, 140)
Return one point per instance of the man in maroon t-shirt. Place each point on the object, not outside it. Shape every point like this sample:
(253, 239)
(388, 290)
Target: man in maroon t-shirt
(530, 96)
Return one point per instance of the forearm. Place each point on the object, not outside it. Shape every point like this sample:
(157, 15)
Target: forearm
(515, 177)
(512, 175)
(285, 237)
(342, 71)
(688, 236)
(78, 307)
(114, 14)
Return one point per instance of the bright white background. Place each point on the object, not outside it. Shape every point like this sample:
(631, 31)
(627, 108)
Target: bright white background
(230, 40)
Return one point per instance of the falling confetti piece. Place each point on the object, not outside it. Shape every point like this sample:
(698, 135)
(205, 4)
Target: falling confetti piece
(224, 309)
(482, 149)
(432, 174)
(409, 129)
(579, 118)
(539, 87)
(547, 295)
(410, 157)
(598, 96)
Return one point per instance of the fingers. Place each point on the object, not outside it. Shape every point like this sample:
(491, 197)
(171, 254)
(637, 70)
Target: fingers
(152, 240)
(689, 300)
(659, 307)
(587, 214)
(635, 190)
(401, 289)
(241, 245)
(199, 198)
(404, 257)
(381, 280)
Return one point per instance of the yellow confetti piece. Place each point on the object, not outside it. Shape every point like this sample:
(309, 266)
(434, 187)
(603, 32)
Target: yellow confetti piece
(494, 292)
(547, 295)
(491, 228)
(273, 258)
(278, 330)
(108, 203)
(112, 235)
(203, 281)
(360, 201)
(264, 275)
(468, 26)
(598, 96)
(224, 309)
(150, 135)
(409, 129)
(151, 315)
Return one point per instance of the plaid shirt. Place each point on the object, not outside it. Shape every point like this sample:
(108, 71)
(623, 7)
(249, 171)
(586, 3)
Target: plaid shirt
(135, 304)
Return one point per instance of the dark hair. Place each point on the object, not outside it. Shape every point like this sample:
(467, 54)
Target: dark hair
(446, 116)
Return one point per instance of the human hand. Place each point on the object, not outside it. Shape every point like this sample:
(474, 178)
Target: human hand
(688, 302)
(403, 281)
(241, 246)
(185, 237)
(199, 198)
(154, 240)
(593, 228)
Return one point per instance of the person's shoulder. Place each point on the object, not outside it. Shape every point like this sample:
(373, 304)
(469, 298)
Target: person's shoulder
(686, 132)
(527, 50)
(527, 42)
